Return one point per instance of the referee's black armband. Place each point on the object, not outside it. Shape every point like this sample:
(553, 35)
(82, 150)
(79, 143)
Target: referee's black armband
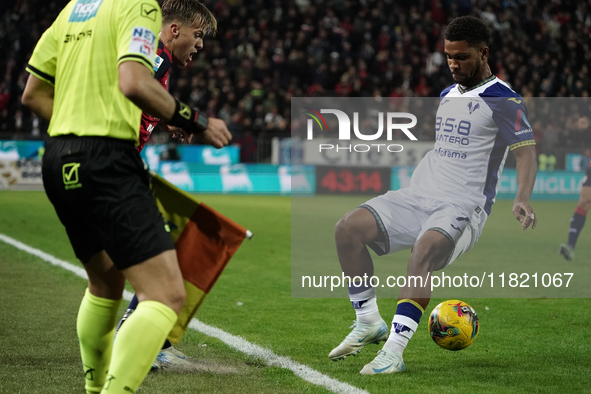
(189, 119)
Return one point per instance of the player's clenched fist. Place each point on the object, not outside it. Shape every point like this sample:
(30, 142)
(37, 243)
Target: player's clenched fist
(216, 134)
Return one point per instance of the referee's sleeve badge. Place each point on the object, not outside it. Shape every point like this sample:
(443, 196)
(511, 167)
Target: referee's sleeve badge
(143, 41)
(157, 63)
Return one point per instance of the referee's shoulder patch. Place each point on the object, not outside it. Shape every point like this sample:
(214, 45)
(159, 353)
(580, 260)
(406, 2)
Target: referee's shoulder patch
(157, 62)
(143, 41)
(149, 11)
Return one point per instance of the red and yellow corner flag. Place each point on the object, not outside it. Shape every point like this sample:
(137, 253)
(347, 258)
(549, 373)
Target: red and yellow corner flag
(205, 241)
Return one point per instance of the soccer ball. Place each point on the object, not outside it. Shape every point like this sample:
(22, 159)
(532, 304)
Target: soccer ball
(453, 325)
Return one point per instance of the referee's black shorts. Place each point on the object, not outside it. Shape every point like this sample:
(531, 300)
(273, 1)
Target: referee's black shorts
(100, 190)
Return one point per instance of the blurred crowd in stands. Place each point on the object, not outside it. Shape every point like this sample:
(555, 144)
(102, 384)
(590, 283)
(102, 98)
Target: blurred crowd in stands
(268, 51)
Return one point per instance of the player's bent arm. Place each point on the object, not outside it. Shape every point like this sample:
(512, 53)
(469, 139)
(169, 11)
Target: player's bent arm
(527, 168)
(138, 85)
(38, 96)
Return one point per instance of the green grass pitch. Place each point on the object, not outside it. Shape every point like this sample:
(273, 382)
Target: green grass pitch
(526, 345)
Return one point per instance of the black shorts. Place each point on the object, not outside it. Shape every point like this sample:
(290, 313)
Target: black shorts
(100, 190)
(587, 181)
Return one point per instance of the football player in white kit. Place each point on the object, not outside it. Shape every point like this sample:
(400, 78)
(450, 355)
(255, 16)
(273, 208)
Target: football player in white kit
(442, 213)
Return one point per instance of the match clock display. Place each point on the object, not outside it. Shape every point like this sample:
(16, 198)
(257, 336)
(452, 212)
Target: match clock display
(352, 180)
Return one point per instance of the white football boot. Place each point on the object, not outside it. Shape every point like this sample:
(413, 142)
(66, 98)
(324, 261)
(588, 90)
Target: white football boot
(385, 362)
(362, 335)
(170, 358)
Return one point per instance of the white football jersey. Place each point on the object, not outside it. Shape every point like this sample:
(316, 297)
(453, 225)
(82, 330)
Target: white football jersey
(475, 129)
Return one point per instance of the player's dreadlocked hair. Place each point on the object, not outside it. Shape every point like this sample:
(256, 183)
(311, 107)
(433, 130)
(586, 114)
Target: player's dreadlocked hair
(189, 12)
(469, 29)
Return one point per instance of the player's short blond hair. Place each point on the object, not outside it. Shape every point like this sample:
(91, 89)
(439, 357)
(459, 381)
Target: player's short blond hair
(191, 13)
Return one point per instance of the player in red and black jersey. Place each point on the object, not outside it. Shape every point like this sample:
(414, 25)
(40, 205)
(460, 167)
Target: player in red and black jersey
(577, 221)
(185, 23)
(162, 74)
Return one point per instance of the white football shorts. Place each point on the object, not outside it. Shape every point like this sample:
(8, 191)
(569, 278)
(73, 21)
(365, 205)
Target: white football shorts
(404, 216)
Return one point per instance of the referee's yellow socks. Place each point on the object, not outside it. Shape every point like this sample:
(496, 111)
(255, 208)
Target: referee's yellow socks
(137, 344)
(96, 327)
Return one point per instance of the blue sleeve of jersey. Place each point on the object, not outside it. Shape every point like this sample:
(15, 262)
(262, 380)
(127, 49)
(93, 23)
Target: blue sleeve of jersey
(510, 116)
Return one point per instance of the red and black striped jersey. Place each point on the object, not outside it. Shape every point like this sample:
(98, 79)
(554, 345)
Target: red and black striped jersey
(161, 73)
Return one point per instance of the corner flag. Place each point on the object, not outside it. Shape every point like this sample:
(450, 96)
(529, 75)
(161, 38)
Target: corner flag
(205, 241)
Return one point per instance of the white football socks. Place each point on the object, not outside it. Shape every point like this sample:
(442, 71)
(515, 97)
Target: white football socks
(403, 328)
(366, 306)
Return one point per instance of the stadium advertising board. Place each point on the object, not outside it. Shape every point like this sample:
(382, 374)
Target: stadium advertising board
(21, 174)
(14, 150)
(200, 154)
(576, 162)
(352, 180)
(556, 185)
(20, 165)
(239, 178)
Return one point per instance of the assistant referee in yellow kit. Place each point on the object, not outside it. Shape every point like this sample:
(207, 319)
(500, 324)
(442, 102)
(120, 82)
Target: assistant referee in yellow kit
(91, 77)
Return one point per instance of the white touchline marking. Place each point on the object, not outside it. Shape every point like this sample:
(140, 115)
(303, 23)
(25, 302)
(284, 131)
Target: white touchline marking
(238, 343)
